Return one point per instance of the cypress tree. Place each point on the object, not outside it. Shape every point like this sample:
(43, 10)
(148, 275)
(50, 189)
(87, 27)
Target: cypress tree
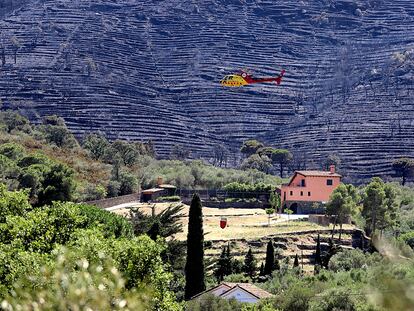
(228, 262)
(296, 262)
(318, 259)
(261, 273)
(270, 258)
(249, 264)
(194, 267)
(277, 265)
(220, 266)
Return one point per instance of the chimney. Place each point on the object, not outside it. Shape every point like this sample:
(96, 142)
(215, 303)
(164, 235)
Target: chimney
(332, 169)
(159, 181)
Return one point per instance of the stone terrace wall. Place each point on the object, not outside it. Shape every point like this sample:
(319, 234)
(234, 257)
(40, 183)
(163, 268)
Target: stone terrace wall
(115, 201)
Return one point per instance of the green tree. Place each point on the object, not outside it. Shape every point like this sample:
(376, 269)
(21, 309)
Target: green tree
(260, 163)
(194, 267)
(261, 270)
(269, 212)
(13, 203)
(282, 157)
(41, 230)
(289, 212)
(297, 297)
(56, 132)
(12, 150)
(274, 201)
(127, 152)
(223, 266)
(15, 121)
(87, 287)
(250, 147)
(380, 206)
(97, 145)
(112, 225)
(128, 183)
(270, 258)
(250, 266)
(335, 299)
(332, 159)
(342, 204)
(403, 167)
(169, 221)
(9, 172)
(93, 192)
(347, 260)
(58, 185)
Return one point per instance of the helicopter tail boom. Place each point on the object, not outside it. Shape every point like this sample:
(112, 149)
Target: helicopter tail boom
(279, 78)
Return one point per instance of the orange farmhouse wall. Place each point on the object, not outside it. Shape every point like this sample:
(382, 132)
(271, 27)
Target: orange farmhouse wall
(314, 185)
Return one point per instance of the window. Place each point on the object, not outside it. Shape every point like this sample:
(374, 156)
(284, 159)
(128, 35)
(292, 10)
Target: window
(329, 182)
(291, 193)
(309, 194)
(301, 193)
(302, 183)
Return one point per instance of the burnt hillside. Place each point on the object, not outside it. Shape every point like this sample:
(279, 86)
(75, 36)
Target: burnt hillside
(150, 70)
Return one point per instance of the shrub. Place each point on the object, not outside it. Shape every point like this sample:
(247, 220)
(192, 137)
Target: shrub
(113, 188)
(334, 299)
(14, 203)
(352, 259)
(14, 121)
(110, 223)
(86, 286)
(128, 183)
(12, 151)
(408, 238)
(92, 193)
(296, 298)
(172, 198)
(242, 187)
(210, 302)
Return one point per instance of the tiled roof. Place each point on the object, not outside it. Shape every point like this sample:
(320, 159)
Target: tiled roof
(152, 190)
(318, 173)
(250, 288)
(254, 290)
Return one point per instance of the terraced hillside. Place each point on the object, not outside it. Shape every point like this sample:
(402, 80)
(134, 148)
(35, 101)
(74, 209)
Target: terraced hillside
(150, 70)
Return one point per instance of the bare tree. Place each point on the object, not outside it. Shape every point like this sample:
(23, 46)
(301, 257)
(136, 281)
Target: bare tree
(16, 46)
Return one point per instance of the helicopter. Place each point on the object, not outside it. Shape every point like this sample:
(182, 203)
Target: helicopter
(244, 78)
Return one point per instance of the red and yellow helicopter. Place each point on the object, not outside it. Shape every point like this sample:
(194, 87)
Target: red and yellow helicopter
(244, 78)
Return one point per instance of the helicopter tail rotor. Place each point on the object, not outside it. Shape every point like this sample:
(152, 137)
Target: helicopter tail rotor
(279, 78)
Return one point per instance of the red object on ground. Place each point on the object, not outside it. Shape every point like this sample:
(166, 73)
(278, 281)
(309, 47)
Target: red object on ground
(223, 222)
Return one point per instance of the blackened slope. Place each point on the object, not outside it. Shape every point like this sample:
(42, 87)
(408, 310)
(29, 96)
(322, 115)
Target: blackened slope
(145, 69)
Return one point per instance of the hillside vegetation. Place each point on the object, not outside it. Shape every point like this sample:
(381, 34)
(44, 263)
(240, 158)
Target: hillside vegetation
(49, 161)
(150, 70)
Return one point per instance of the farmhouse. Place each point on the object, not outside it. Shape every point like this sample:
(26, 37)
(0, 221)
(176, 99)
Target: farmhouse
(242, 292)
(308, 191)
